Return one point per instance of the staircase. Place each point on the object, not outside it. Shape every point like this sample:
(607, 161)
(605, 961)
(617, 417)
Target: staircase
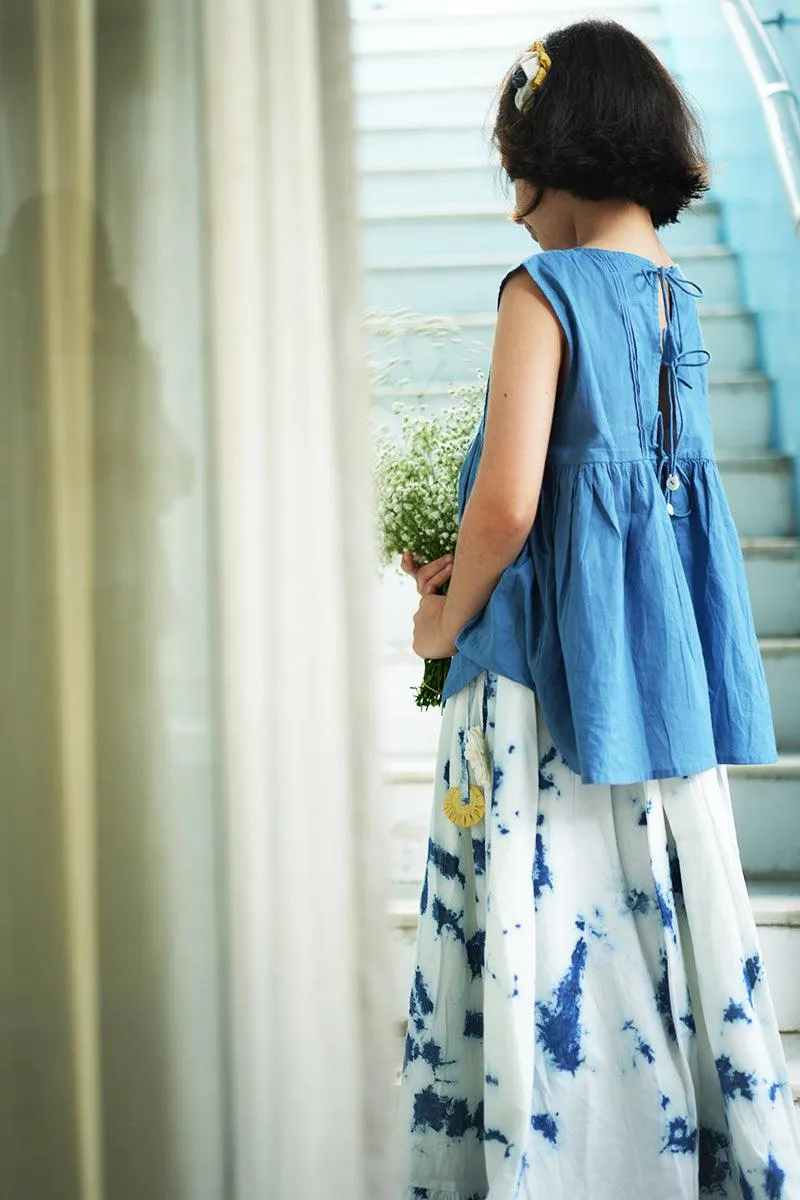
(435, 239)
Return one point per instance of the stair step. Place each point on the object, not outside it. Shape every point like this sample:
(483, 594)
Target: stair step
(467, 105)
(388, 67)
(391, 19)
(405, 729)
(776, 904)
(414, 187)
(431, 144)
(790, 1041)
(466, 285)
(449, 229)
(772, 566)
(385, 70)
(766, 809)
(409, 769)
(781, 657)
(776, 908)
(469, 347)
(765, 798)
(392, 11)
(791, 1048)
(458, 108)
(740, 400)
(470, 110)
(507, 35)
(508, 30)
(758, 485)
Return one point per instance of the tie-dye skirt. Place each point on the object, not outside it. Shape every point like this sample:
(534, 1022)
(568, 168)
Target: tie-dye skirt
(589, 1017)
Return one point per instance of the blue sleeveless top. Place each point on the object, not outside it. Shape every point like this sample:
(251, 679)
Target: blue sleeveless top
(627, 609)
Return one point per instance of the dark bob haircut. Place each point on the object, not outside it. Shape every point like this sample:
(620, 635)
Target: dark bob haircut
(608, 121)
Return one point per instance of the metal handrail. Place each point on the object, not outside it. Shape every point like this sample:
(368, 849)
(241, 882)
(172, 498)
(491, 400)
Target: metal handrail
(781, 20)
(779, 102)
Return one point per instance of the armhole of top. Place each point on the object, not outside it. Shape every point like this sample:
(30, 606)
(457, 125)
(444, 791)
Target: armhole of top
(542, 277)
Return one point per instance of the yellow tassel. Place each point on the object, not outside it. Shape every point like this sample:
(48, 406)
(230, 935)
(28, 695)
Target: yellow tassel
(465, 814)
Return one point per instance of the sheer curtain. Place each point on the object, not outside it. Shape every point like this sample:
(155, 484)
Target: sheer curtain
(192, 934)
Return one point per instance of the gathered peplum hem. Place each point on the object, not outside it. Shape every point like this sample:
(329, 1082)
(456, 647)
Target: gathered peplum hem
(636, 628)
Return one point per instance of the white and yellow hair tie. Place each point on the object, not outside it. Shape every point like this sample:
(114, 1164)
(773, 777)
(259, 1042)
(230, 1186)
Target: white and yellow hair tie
(529, 74)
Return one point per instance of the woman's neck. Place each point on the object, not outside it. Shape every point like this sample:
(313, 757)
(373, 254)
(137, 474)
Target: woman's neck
(615, 226)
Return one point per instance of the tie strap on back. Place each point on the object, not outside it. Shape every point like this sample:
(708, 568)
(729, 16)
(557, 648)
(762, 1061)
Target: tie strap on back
(676, 362)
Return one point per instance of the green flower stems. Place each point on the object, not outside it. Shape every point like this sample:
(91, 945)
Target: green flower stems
(430, 691)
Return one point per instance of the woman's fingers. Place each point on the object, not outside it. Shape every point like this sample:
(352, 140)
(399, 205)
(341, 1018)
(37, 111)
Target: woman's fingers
(436, 581)
(429, 576)
(407, 562)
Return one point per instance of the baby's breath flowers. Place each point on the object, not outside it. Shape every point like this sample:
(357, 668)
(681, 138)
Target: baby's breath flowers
(416, 488)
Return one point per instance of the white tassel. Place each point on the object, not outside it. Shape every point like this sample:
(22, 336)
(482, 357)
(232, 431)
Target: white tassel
(477, 755)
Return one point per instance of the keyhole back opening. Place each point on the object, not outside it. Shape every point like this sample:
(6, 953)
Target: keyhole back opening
(663, 377)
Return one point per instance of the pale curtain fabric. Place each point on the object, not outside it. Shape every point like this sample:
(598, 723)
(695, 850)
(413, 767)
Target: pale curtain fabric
(311, 1061)
(193, 955)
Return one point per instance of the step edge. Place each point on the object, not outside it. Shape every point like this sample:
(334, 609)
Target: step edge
(760, 459)
(370, 53)
(395, 653)
(422, 769)
(706, 207)
(413, 168)
(781, 913)
(706, 312)
(715, 379)
(474, 320)
(419, 127)
(472, 261)
(773, 646)
(424, 16)
(791, 1054)
(787, 547)
(441, 87)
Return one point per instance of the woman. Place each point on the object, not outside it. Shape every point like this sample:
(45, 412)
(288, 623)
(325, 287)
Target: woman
(589, 1015)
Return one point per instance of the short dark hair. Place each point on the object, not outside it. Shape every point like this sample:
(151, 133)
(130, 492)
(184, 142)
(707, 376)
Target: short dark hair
(608, 121)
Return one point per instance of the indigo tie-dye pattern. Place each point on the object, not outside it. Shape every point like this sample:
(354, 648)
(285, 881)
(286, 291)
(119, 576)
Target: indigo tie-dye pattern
(589, 1016)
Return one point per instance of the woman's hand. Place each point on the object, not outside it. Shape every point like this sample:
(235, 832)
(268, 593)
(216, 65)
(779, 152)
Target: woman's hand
(429, 576)
(429, 641)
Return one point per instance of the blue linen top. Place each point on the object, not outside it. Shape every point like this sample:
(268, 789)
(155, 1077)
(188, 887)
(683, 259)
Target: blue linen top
(627, 609)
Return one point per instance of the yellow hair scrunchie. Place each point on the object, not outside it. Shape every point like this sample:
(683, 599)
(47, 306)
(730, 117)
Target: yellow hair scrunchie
(530, 73)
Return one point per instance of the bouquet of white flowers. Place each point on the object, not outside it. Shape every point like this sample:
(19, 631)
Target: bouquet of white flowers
(416, 482)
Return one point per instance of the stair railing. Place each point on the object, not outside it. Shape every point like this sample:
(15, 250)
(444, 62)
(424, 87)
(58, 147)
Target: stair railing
(779, 102)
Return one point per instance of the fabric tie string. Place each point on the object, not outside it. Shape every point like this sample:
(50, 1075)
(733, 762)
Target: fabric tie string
(676, 363)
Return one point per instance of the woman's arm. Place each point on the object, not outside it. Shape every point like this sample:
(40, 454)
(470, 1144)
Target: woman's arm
(526, 359)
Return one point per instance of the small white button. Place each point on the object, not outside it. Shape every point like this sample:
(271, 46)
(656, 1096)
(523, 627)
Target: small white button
(673, 482)
(670, 509)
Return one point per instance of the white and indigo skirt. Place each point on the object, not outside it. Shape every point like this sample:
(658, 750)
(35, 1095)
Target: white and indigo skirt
(589, 1017)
